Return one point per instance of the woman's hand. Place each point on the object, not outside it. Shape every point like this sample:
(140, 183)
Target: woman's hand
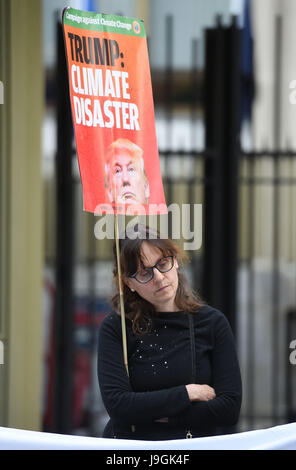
(198, 392)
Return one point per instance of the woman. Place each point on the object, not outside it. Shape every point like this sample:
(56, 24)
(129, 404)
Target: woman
(169, 392)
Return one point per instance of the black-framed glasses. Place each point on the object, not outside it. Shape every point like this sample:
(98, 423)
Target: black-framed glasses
(145, 275)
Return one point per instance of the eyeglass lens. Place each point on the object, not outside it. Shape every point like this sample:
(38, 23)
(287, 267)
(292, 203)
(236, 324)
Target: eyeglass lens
(163, 265)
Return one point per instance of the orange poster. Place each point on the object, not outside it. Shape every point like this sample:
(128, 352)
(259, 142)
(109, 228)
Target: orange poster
(113, 113)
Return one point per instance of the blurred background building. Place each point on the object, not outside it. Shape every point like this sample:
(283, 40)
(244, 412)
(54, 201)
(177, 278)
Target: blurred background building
(222, 75)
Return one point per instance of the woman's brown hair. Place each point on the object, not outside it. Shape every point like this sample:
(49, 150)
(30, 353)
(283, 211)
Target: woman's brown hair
(137, 309)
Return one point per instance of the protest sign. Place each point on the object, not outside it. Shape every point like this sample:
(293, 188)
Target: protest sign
(113, 113)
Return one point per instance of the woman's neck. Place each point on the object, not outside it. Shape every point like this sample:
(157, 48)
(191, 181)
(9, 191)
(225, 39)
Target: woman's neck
(167, 307)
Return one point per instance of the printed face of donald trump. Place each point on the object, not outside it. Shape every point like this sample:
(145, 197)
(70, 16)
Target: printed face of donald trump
(125, 178)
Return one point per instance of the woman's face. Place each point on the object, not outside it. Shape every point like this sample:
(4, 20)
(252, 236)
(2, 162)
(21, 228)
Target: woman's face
(161, 290)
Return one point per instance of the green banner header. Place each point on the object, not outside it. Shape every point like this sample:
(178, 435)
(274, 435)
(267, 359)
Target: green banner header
(100, 22)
